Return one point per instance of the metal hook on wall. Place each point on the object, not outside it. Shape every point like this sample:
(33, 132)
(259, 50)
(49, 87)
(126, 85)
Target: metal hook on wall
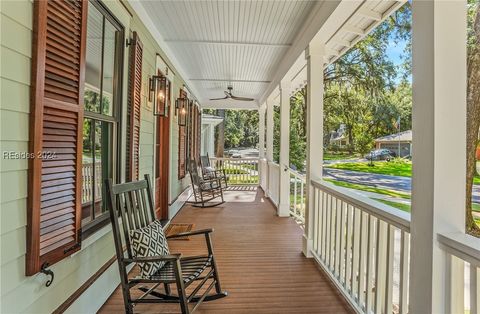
(47, 272)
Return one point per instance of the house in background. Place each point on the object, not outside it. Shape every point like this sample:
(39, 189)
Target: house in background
(209, 122)
(339, 137)
(400, 143)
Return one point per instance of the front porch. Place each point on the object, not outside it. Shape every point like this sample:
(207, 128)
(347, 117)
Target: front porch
(259, 258)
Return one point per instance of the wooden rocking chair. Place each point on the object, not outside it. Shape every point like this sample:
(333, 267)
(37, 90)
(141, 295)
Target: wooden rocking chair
(210, 172)
(132, 203)
(204, 189)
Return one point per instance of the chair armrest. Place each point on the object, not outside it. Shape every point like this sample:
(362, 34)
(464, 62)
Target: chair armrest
(160, 258)
(191, 233)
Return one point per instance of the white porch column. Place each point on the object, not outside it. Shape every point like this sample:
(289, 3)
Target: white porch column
(284, 197)
(211, 140)
(439, 143)
(269, 149)
(261, 147)
(315, 57)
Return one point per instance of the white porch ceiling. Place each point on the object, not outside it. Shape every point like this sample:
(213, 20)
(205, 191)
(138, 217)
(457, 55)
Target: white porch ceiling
(254, 44)
(229, 42)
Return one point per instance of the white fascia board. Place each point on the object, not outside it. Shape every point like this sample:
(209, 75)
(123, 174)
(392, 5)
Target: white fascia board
(324, 20)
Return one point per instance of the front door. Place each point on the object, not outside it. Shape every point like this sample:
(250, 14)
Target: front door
(162, 166)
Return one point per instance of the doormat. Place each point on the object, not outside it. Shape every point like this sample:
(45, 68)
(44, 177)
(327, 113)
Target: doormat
(178, 228)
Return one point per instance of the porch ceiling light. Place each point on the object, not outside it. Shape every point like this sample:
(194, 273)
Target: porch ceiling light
(158, 90)
(181, 105)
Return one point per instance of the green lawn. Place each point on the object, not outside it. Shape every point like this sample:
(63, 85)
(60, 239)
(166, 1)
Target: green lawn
(404, 207)
(369, 189)
(235, 171)
(337, 156)
(394, 168)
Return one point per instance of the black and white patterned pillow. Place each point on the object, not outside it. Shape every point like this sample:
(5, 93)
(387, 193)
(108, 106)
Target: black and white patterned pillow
(147, 242)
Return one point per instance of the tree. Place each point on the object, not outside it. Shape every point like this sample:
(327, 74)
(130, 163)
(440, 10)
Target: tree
(298, 132)
(362, 89)
(473, 107)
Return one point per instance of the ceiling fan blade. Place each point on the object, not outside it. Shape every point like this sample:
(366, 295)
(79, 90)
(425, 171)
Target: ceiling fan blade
(219, 98)
(242, 98)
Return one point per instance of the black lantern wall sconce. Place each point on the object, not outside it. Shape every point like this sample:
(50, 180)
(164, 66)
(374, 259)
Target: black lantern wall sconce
(158, 93)
(181, 107)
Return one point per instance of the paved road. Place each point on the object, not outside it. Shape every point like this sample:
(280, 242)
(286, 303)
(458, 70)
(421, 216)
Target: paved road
(397, 183)
(402, 184)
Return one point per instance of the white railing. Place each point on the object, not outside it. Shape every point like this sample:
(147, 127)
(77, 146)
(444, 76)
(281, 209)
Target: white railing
(239, 171)
(364, 246)
(297, 195)
(462, 288)
(274, 182)
(87, 179)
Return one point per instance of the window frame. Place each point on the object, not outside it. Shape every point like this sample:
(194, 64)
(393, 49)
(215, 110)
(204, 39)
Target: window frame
(116, 118)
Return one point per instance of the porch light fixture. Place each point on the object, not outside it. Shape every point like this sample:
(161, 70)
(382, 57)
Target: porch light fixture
(158, 90)
(181, 105)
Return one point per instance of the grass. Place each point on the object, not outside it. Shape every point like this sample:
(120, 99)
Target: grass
(252, 179)
(337, 156)
(366, 188)
(235, 171)
(401, 206)
(394, 168)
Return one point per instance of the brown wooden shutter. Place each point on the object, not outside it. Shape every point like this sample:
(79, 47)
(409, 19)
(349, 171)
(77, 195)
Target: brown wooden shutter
(199, 133)
(134, 107)
(56, 126)
(182, 145)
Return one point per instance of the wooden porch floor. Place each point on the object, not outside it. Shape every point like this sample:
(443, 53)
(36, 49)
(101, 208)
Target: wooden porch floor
(259, 258)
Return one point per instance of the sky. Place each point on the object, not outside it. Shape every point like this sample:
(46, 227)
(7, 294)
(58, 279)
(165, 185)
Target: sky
(394, 52)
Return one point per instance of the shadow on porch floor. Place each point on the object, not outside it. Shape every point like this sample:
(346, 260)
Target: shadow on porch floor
(259, 259)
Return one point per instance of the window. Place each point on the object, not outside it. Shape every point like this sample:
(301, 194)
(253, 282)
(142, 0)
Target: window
(101, 104)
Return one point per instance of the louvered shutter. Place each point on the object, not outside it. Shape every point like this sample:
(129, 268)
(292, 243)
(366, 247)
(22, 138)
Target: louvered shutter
(182, 146)
(199, 133)
(134, 107)
(54, 196)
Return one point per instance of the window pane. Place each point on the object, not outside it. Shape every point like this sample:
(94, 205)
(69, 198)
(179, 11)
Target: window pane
(103, 163)
(108, 68)
(87, 171)
(93, 59)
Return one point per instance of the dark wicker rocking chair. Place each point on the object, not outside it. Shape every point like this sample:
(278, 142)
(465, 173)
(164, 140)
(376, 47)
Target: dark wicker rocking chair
(205, 190)
(133, 203)
(210, 172)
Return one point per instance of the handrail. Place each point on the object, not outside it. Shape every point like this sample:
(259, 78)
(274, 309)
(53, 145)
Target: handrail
(399, 219)
(231, 158)
(462, 245)
(363, 246)
(238, 171)
(273, 163)
(298, 174)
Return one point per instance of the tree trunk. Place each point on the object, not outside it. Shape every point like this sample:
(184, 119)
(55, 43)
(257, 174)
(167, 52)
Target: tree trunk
(473, 121)
(221, 134)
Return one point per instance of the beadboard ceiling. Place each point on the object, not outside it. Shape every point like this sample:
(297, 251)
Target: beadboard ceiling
(229, 42)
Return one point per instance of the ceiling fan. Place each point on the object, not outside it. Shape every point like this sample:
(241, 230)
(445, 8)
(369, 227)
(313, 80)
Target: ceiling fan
(228, 95)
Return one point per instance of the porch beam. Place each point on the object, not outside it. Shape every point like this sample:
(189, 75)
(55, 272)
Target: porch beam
(439, 141)
(284, 197)
(315, 54)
